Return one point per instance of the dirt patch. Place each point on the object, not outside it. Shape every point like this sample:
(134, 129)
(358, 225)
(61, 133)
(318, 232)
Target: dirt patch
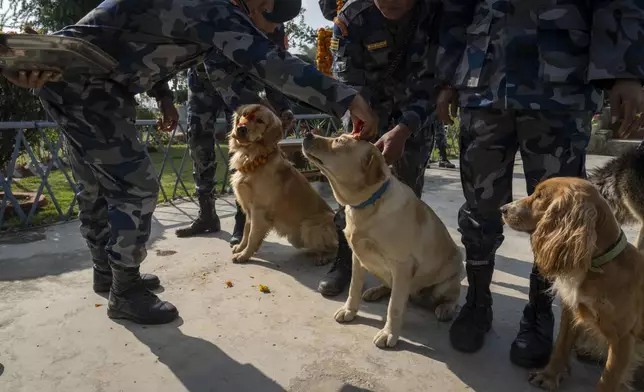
(164, 253)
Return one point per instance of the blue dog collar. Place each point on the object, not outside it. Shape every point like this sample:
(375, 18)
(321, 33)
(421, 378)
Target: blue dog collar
(376, 195)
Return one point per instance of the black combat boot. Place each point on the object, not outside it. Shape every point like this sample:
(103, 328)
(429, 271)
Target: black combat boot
(130, 300)
(339, 276)
(533, 344)
(103, 279)
(467, 333)
(238, 230)
(444, 162)
(206, 222)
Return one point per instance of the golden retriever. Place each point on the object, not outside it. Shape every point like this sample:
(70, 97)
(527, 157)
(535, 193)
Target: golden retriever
(578, 243)
(392, 233)
(272, 193)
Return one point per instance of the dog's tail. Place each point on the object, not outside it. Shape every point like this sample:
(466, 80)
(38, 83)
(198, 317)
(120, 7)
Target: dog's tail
(319, 234)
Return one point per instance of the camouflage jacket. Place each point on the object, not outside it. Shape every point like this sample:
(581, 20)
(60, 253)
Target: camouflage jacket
(364, 44)
(235, 85)
(329, 9)
(153, 40)
(540, 54)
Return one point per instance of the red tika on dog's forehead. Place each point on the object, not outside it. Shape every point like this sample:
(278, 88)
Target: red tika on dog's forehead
(245, 118)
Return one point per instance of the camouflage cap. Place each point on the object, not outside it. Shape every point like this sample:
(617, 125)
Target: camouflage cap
(283, 11)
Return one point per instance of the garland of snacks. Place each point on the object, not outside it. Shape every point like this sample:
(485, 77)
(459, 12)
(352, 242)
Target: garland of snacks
(324, 58)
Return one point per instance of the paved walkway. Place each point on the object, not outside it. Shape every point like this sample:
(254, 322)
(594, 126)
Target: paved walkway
(55, 336)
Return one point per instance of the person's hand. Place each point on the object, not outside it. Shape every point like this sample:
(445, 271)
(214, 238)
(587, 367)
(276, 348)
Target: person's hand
(392, 143)
(447, 105)
(169, 115)
(32, 79)
(363, 118)
(626, 104)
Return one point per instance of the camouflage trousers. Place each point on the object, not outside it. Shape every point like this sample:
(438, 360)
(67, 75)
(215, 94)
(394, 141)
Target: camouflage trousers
(434, 136)
(551, 143)
(410, 169)
(117, 185)
(440, 139)
(204, 106)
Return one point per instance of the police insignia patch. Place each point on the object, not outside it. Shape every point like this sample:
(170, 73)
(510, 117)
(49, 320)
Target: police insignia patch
(377, 45)
(334, 44)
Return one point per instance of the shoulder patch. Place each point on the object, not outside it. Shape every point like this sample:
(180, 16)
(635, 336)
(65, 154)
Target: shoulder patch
(342, 26)
(377, 45)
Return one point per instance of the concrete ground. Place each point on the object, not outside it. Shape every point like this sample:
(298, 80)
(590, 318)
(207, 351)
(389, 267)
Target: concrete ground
(55, 336)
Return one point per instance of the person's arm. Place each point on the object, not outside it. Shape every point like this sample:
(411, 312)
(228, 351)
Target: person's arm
(240, 41)
(616, 41)
(421, 85)
(275, 98)
(230, 81)
(457, 16)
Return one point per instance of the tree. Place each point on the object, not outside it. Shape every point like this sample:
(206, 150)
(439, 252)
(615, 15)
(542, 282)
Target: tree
(301, 36)
(53, 15)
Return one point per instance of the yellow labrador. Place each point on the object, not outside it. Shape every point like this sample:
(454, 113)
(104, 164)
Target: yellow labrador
(392, 233)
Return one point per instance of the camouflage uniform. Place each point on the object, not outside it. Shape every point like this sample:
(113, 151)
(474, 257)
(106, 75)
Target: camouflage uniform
(436, 138)
(329, 9)
(364, 45)
(214, 86)
(152, 41)
(205, 105)
(530, 75)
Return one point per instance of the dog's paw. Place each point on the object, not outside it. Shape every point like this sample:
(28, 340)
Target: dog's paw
(445, 311)
(385, 338)
(345, 315)
(376, 293)
(240, 257)
(236, 248)
(546, 380)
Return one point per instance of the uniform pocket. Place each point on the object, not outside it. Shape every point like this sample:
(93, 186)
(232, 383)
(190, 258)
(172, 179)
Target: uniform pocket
(379, 51)
(563, 36)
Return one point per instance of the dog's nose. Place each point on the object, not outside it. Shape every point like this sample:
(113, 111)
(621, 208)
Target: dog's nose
(242, 131)
(308, 136)
(504, 209)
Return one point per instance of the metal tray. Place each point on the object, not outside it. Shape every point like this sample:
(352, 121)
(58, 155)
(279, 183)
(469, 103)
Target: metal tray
(71, 55)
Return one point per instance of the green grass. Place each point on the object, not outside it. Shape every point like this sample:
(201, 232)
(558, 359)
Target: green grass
(64, 194)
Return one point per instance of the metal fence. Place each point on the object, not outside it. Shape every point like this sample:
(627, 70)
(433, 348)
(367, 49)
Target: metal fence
(29, 147)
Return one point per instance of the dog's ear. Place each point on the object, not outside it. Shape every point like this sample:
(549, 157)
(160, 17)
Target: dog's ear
(372, 168)
(274, 133)
(565, 238)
